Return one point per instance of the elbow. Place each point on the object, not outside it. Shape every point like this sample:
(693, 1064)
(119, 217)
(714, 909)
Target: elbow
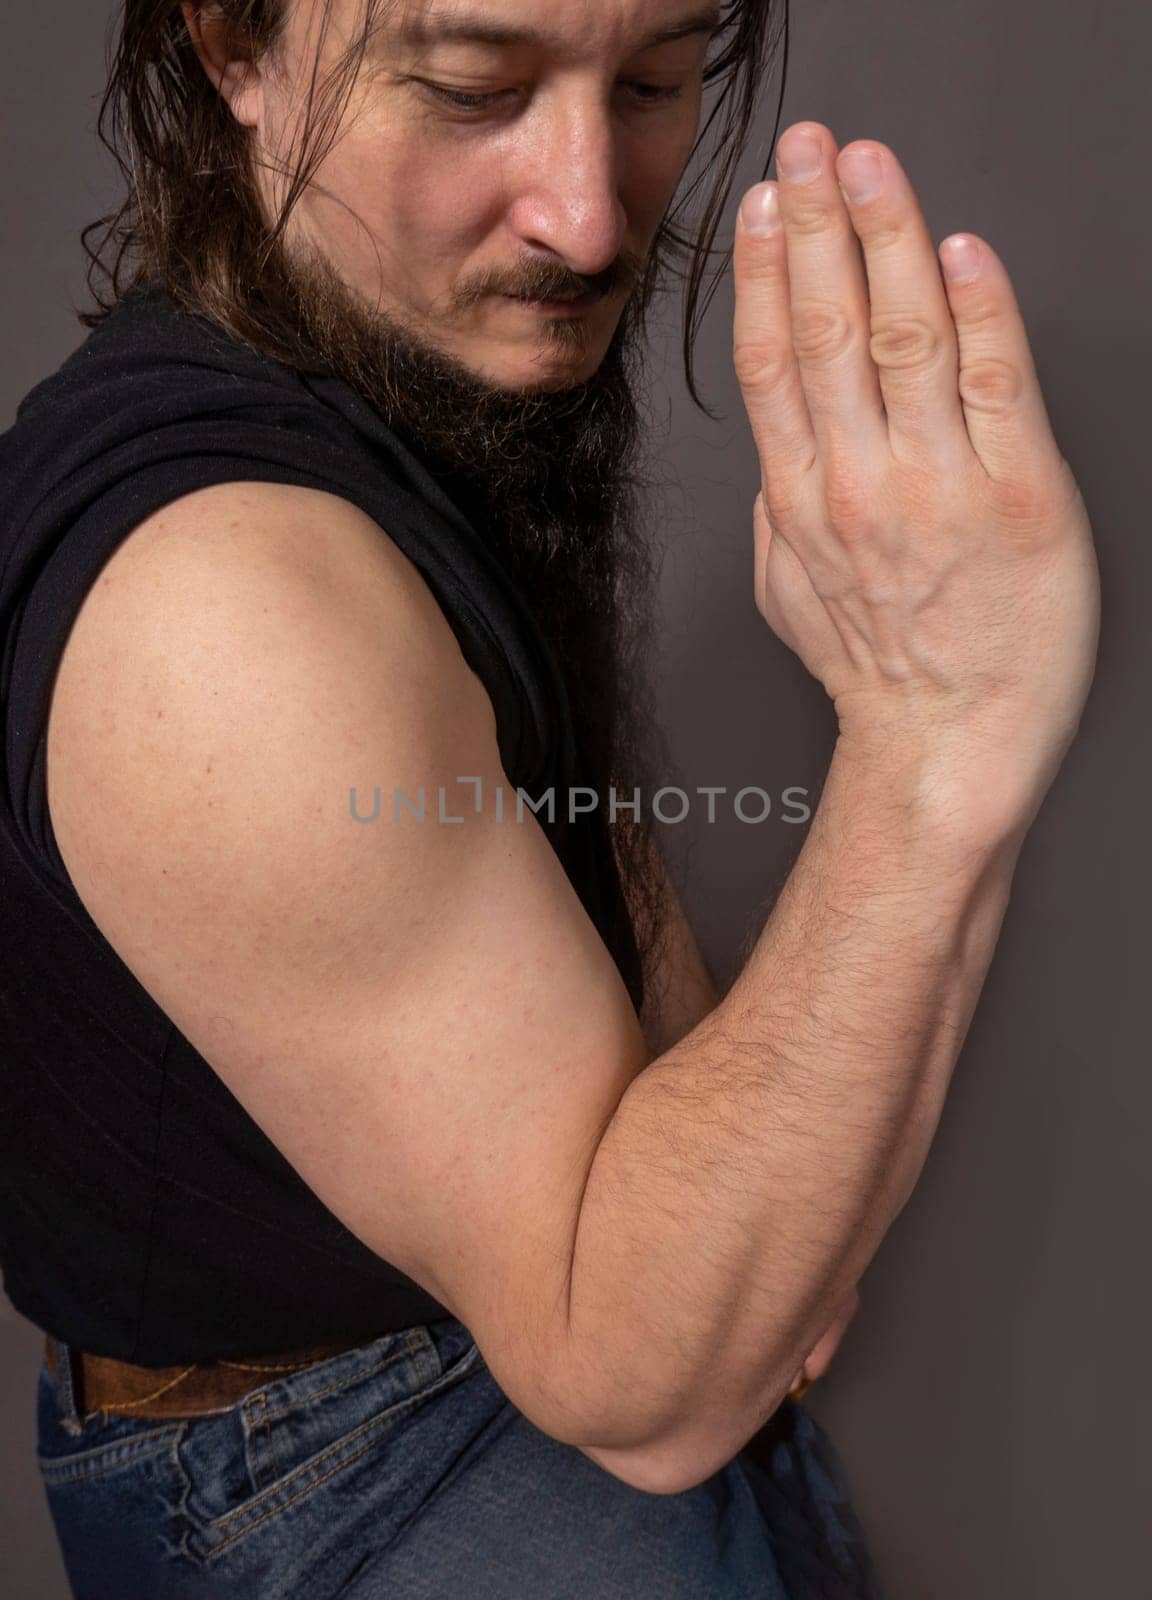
(685, 1457)
(647, 1471)
(664, 1449)
(658, 1471)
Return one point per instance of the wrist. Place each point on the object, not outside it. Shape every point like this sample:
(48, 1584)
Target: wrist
(933, 793)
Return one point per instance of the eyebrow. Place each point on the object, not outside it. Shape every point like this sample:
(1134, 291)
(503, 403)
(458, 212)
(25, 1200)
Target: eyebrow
(460, 28)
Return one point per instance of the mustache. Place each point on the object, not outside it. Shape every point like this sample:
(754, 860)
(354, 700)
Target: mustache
(544, 280)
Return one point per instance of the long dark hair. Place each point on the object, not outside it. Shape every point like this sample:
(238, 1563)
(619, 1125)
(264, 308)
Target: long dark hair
(191, 220)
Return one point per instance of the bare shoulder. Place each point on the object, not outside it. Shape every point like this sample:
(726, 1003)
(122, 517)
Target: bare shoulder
(249, 658)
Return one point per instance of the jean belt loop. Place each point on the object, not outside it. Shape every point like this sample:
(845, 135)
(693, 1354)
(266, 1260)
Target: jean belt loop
(66, 1383)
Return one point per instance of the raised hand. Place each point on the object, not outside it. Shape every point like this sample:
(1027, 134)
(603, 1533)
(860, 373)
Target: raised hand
(920, 540)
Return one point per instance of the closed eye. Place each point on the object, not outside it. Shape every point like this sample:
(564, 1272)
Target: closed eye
(647, 94)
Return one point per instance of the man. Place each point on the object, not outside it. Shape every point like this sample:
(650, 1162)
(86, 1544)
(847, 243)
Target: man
(647, 1224)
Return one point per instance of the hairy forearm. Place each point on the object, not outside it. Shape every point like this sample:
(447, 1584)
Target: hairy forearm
(751, 1171)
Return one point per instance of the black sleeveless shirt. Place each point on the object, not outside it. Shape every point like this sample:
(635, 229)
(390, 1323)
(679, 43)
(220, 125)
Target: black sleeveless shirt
(144, 1215)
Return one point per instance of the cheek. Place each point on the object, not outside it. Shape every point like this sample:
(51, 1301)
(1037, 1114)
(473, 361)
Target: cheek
(404, 197)
(668, 158)
(652, 167)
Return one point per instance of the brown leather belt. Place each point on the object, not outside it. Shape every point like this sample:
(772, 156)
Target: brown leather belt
(199, 1388)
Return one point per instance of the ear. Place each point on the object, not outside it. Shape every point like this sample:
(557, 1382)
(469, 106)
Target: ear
(236, 78)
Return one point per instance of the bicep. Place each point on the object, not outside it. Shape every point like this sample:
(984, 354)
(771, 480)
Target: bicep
(419, 1014)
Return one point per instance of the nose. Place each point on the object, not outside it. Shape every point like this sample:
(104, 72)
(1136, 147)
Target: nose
(568, 190)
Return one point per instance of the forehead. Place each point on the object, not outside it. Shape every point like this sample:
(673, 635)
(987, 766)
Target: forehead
(561, 27)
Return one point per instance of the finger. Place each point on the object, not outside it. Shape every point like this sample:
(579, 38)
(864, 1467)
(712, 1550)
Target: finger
(913, 341)
(800, 1386)
(1004, 409)
(829, 299)
(762, 340)
(820, 1358)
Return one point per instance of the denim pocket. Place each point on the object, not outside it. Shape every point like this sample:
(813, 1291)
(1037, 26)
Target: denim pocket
(318, 1429)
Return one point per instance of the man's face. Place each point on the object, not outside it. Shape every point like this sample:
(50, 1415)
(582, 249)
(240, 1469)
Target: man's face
(446, 220)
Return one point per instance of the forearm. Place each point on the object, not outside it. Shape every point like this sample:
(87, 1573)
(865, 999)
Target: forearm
(751, 1171)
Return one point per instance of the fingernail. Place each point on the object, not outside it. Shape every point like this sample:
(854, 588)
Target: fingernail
(961, 259)
(760, 209)
(860, 176)
(798, 158)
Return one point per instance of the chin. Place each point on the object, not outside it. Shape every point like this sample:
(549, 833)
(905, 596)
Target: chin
(553, 382)
(549, 371)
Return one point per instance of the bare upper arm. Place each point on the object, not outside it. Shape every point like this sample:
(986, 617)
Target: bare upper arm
(420, 1015)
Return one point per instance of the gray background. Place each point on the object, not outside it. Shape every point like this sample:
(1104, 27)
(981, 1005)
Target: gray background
(990, 1401)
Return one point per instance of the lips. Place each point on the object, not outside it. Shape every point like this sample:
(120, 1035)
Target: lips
(554, 299)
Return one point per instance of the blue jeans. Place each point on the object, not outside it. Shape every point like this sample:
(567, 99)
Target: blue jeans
(399, 1470)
